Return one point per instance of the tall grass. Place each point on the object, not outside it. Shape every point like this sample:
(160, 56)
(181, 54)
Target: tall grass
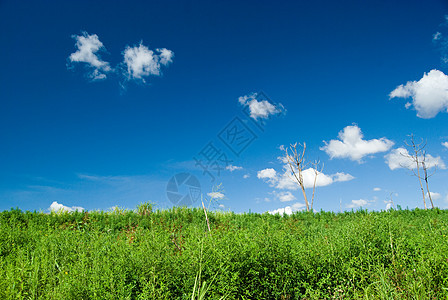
(169, 254)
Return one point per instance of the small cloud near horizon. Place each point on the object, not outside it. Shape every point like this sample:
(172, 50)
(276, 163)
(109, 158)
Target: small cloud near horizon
(358, 203)
(288, 209)
(57, 207)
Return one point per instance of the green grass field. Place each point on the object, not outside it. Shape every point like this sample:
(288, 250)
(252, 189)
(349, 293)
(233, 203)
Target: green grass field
(168, 254)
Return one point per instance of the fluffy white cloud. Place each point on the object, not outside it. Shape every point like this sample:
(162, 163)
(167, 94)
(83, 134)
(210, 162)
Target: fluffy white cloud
(341, 177)
(429, 94)
(285, 196)
(141, 62)
(232, 168)
(358, 203)
(246, 176)
(166, 56)
(216, 195)
(288, 209)
(400, 158)
(260, 109)
(287, 181)
(322, 179)
(445, 144)
(56, 207)
(351, 145)
(138, 61)
(397, 158)
(87, 48)
(434, 195)
(376, 189)
(268, 174)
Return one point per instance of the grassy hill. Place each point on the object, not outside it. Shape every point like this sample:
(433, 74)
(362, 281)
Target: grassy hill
(169, 254)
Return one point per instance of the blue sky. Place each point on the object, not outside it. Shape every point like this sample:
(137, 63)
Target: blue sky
(102, 104)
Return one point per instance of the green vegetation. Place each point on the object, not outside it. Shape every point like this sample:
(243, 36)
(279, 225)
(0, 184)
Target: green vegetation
(170, 254)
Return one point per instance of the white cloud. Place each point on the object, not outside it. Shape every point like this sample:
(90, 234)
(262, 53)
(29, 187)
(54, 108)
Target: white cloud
(341, 177)
(400, 158)
(141, 62)
(434, 195)
(286, 180)
(87, 48)
(429, 94)
(166, 56)
(397, 158)
(322, 179)
(260, 109)
(376, 189)
(351, 145)
(56, 207)
(232, 168)
(288, 209)
(389, 204)
(138, 61)
(285, 196)
(216, 195)
(441, 41)
(445, 144)
(246, 176)
(269, 174)
(434, 162)
(358, 203)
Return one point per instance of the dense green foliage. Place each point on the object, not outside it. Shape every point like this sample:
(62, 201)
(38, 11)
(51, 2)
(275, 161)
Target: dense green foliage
(158, 255)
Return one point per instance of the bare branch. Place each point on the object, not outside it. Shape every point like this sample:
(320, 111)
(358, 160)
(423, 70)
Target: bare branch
(296, 164)
(417, 149)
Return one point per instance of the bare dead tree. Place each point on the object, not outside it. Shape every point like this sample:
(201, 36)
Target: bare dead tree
(418, 157)
(296, 162)
(416, 148)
